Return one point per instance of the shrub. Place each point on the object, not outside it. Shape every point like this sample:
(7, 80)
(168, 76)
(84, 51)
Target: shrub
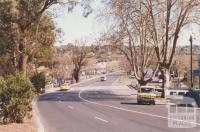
(38, 81)
(16, 94)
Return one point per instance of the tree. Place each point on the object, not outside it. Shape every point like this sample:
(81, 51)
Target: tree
(164, 21)
(20, 22)
(132, 37)
(79, 55)
(167, 20)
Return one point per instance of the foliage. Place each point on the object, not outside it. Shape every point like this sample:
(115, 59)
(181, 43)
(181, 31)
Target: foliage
(80, 56)
(26, 27)
(24, 32)
(38, 81)
(16, 94)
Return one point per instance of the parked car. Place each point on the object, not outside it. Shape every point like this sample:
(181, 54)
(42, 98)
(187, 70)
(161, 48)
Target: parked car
(146, 94)
(194, 94)
(171, 93)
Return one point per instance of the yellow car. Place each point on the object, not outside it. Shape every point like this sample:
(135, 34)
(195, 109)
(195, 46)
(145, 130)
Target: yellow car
(146, 94)
(64, 87)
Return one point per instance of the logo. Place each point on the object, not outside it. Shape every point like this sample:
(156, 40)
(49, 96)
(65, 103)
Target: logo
(182, 113)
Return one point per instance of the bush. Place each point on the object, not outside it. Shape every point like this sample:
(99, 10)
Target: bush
(16, 94)
(38, 81)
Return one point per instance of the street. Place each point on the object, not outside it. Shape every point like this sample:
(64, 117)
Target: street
(103, 106)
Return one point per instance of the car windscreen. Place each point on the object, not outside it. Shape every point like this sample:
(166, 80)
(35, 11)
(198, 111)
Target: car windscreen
(146, 90)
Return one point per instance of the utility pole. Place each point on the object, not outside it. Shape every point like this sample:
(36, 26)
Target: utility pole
(191, 72)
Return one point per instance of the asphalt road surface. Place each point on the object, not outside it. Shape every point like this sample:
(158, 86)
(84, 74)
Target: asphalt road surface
(104, 106)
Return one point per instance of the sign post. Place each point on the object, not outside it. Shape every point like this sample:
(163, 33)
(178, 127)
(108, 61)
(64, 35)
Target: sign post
(199, 69)
(191, 77)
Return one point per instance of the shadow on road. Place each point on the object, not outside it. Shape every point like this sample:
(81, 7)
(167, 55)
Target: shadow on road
(129, 103)
(73, 96)
(60, 96)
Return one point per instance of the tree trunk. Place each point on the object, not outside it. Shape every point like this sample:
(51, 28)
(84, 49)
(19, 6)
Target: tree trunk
(142, 82)
(23, 58)
(167, 78)
(14, 61)
(76, 74)
(23, 64)
(166, 81)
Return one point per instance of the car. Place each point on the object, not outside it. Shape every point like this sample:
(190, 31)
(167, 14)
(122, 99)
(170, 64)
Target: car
(183, 101)
(64, 87)
(103, 78)
(171, 93)
(194, 94)
(146, 94)
(42, 90)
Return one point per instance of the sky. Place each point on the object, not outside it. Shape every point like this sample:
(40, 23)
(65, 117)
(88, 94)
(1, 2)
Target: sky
(77, 27)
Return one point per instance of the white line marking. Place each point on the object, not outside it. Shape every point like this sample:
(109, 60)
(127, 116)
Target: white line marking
(101, 119)
(70, 107)
(132, 111)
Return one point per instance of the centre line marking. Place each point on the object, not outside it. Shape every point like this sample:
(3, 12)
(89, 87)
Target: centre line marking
(101, 119)
(70, 107)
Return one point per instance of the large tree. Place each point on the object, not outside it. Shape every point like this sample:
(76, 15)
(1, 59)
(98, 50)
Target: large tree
(79, 56)
(20, 33)
(158, 23)
(131, 36)
(168, 18)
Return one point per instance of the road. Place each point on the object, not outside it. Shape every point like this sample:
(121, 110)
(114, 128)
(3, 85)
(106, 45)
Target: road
(108, 106)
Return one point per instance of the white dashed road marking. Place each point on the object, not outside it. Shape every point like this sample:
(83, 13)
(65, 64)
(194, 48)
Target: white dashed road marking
(98, 118)
(69, 106)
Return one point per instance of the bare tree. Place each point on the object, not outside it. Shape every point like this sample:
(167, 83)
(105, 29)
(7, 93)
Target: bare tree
(167, 20)
(132, 37)
(157, 24)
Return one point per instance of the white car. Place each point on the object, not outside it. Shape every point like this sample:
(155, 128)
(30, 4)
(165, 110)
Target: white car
(103, 78)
